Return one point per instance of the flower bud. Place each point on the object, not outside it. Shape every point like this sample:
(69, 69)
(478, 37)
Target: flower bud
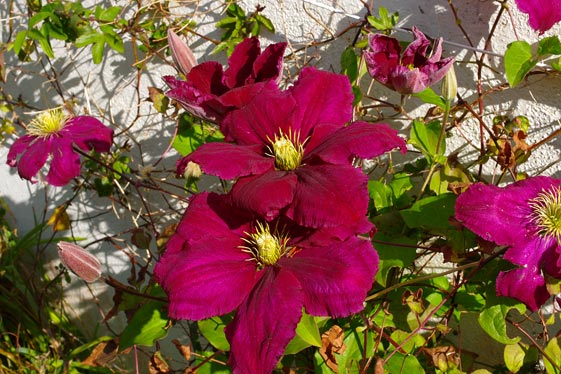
(192, 171)
(450, 85)
(182, 55)
(82, 263)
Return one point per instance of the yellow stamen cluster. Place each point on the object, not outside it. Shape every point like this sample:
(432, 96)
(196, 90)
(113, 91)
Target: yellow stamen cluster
(287, 150)
(47, 123)
(546, 213)
(265, 247)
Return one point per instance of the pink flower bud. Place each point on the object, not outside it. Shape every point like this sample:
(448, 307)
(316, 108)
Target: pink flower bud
(182, 55)
(82, 263)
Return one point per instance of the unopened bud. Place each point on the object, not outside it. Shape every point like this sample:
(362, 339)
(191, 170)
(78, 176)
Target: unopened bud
(182, 55)
(192, 171)
(450, 85)
(82, 263)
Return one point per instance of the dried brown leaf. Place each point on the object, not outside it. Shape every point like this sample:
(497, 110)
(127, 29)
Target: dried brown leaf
(331, 344)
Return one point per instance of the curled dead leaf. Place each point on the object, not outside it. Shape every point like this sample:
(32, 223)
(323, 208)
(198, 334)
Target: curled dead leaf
(331, 344)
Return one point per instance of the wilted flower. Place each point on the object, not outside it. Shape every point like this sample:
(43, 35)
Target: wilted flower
(82, 263)
(222, 259)
(210, 92)
(526, 217)
(410, 72)
(543, 14)
(294, 154)
(53, 134)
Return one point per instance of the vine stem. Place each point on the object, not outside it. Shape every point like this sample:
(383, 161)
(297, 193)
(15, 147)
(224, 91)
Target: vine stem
(421, 279)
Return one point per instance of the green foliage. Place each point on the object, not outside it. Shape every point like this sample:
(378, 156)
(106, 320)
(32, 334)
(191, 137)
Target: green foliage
(385, 22)
(519, 60)
(237, 26)
(192, 133)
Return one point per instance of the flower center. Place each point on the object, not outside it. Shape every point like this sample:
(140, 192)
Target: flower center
(546, 213)
(287, 151)
(47, 123)
(265, 247)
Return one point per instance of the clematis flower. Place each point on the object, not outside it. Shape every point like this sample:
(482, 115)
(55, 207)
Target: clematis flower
(410, 72)
(526, 217)
(222, 259)
(543, 14)
(54, 134)
(210, 92)
(294, 154)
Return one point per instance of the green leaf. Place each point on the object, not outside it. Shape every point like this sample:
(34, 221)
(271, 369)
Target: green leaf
(430, 97)
(492, 320)
(88, 345)
(349, 63)
(114, 41)
(191, 135)
(518, 61)
(307, 334)
(411, 344)
(148, 325)
(553, 350)
(431, 212)
(38, 18)
(88, 38)
(381, 194)
(424, 137)
(19, 40)
(400, 363)
(97, 51)
(109, 14)
(213, 331)
(393, 256)
(549, 46)
(43, 40)
(514, 357)
(265, 22)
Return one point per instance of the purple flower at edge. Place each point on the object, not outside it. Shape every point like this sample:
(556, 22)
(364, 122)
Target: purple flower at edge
(410, 72)
(52, 134)
(526, 217)
(221, 259)
(293, 153)
(543, 14)
(210, 92)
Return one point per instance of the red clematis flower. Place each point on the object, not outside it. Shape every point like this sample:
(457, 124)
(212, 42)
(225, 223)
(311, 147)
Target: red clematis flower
(53, 134)
(210, 92)
(294, 154)
(222, 259)
(525, 216)
(543, 13)
(410, 72)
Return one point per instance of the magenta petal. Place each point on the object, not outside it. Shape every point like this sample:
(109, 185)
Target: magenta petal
(330, 196)
(260, 120)
(207, 278)
(335, 279)
(268, 66)
(408, 81)
(228, 161)
(382, 57)
(321, 97)
(415, 53)
(524, 284)
(207, 78)
(264, 194)
(265, 323)
(33, 158)
(480, 210)
(240, 63)
(543, 14)
(89, 133)
(19, 146)
(360, 139)
(191, 98)
(65, 163)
